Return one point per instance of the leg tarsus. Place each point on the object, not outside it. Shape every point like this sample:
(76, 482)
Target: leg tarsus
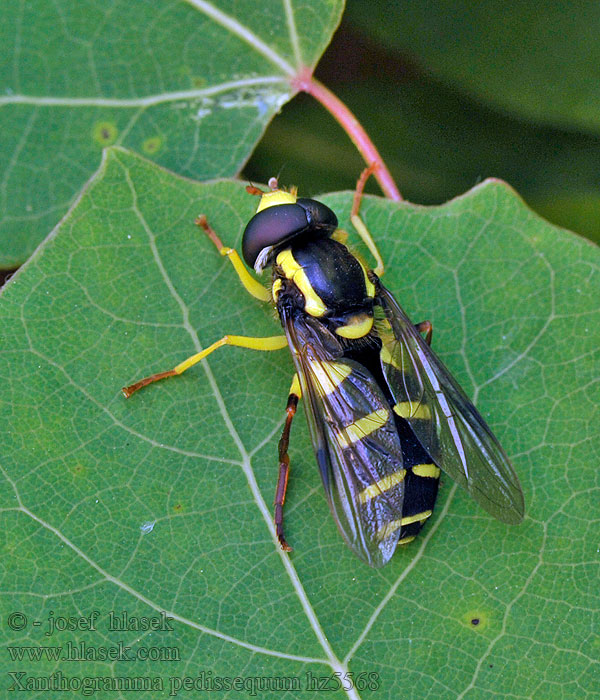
(132, 388)
(284, 472)
(202, 222)
(360, 186)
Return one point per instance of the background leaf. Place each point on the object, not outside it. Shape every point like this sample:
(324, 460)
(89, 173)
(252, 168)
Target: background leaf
(539, 60)
(128, 285)
(191, 85)
(441, 89)
(182, 87)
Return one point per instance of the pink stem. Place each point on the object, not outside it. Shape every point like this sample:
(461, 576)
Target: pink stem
(305, 82)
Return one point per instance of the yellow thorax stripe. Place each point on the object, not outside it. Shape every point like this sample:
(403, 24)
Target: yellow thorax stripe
(412, 409)
(368, 284)
(382, 485)
(329, 375)
(428, 470)
(313, 303)
(276, 288)
(362, 427)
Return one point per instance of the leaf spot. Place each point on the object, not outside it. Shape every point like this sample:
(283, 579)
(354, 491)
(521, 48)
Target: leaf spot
(105, 133)
(152, 145)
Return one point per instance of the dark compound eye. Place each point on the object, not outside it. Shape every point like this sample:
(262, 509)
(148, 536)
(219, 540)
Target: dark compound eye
(271, 227)
(320, 216)
(280, 223)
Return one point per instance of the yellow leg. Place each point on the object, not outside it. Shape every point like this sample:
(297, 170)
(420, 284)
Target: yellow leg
(359, 224)
(276, 342)
(295, 387)
(363, 232)
(251, 285)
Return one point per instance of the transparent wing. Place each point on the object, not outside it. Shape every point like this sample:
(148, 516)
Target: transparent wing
(444, 420)
(355, 441)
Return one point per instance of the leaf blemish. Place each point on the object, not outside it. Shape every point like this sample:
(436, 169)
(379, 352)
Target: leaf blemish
(148, 526)
(105, 133)
(476, 619)
(263, 101)
(152, 145)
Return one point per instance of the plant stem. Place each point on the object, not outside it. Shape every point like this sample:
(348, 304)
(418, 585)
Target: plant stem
(305, 82)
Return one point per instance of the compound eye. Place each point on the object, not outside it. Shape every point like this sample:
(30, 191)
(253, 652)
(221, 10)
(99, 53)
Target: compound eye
(320, 216)
(271, 227)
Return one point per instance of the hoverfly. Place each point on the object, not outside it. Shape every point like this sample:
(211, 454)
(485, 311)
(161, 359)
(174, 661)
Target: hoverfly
(384, 414)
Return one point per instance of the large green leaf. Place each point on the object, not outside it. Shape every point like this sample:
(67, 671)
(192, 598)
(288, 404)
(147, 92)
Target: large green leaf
(539, 60)
(191, 85)
(163, 502)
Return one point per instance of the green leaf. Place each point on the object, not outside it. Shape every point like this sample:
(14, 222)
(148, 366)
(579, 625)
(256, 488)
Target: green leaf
(191, 85)
(536, 60)
(163, 502)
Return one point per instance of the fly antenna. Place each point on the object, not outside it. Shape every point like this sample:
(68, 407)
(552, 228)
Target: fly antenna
(253, 189)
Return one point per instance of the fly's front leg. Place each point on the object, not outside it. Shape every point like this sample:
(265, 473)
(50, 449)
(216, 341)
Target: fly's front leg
(359, 224)
(284, 461)
(251, 285)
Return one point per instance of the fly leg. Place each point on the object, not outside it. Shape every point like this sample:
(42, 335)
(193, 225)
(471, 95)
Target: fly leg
(359, 224)
(251, 285)
(284, 461)
(427, 328)
(276, 342)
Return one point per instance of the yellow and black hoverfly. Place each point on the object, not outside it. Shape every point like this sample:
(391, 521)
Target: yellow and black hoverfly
(385, 415)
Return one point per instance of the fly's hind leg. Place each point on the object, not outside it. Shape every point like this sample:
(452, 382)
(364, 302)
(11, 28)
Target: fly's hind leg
(284, 461)
(425, 327)
(257, 290)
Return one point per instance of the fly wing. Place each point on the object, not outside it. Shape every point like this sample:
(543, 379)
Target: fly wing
(443, 419)
(355, 441)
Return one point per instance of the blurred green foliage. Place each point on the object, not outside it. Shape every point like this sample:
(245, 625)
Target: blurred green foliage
(452, 93)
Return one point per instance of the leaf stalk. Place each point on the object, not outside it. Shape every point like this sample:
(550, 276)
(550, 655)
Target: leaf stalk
(304, 81)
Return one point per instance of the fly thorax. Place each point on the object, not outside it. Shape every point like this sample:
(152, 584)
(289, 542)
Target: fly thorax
(355, 324)
(333, 283)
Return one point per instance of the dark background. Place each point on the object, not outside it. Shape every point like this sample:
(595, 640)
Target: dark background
(453, 93)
